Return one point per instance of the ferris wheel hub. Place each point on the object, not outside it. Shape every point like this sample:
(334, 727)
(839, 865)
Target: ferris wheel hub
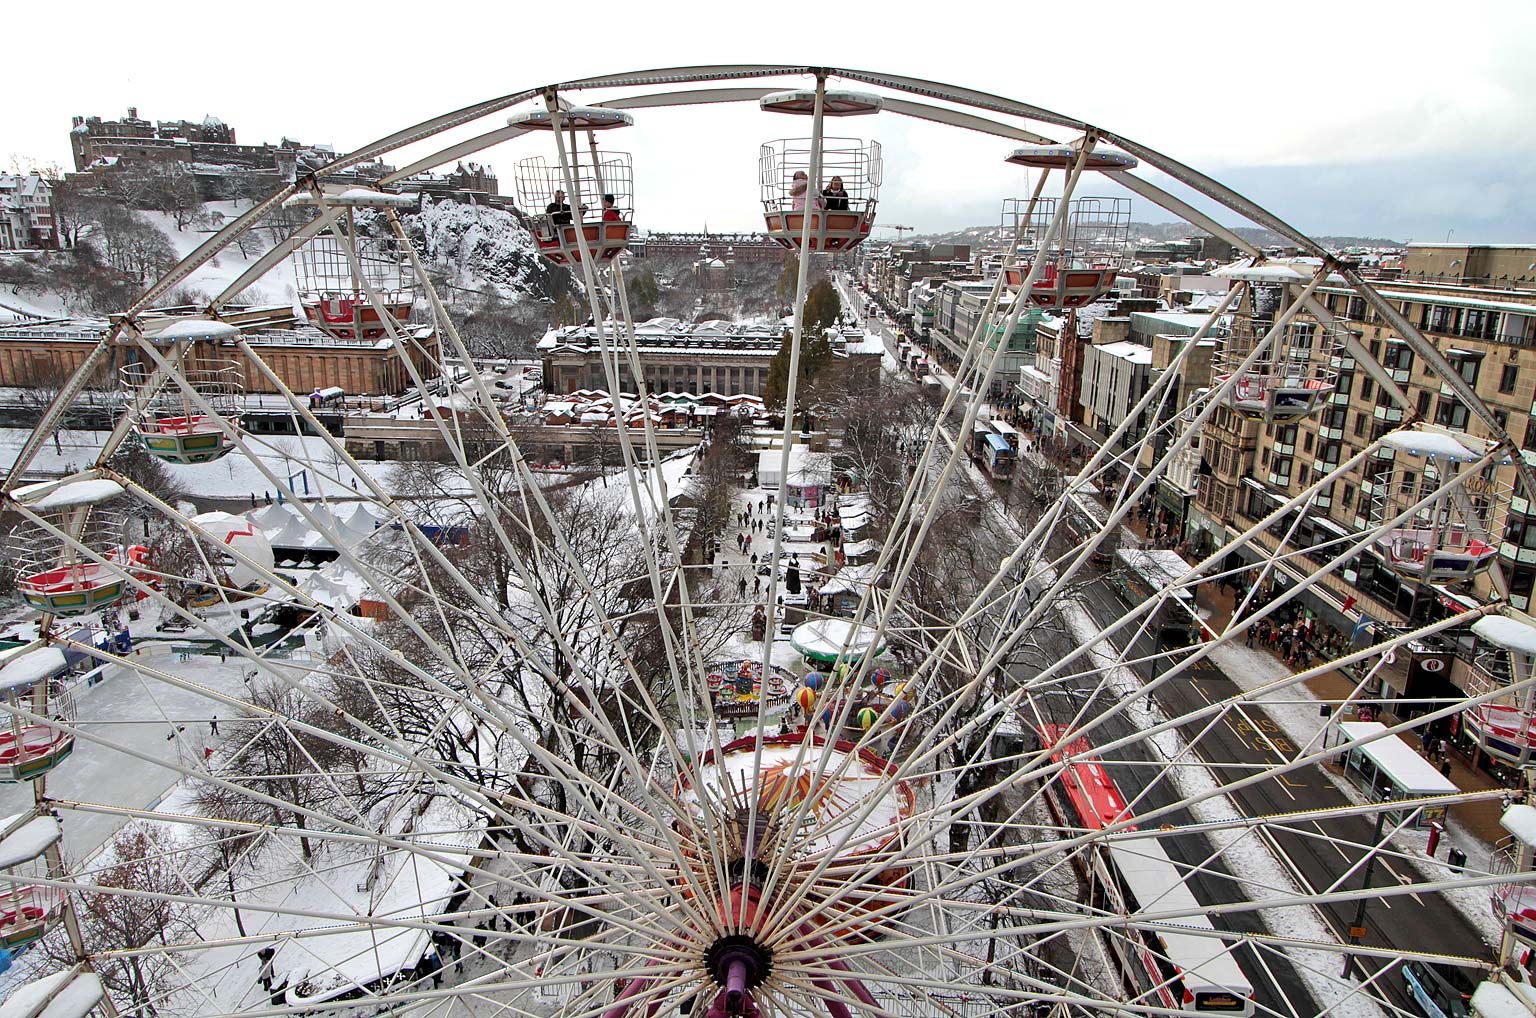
(738, 963)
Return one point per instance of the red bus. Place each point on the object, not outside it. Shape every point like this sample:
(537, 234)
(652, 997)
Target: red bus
(1159, 963)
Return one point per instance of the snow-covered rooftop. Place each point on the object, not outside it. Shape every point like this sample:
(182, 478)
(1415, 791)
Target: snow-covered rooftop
(1133, 353)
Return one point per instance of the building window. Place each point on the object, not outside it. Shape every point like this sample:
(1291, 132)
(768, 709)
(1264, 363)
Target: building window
(1398, 357)
(1451, 413)
(1306, 442)
(1440, 318)
(1424, 400)
(1348, 497)
(1366, 388)
(1521, 531)
(1467, 365)
(1521, 581)
(1359, 428)
(1507, 378)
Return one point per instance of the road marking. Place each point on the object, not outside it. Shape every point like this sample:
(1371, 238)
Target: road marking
(1401, 880)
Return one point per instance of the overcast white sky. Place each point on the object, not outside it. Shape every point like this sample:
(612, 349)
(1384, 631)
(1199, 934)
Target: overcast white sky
(1404, 119)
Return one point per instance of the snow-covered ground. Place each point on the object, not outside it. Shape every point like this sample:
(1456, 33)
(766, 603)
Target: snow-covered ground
(234, 476)
(276, 287)
(152, 721)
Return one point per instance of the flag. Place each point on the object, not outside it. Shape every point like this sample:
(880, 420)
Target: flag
(1350, 601)
(1362, 630)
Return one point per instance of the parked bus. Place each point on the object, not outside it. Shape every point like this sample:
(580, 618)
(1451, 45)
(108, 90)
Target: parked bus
(1009, 433)
(1142, 573)
(1160, 966)
(1084, 519)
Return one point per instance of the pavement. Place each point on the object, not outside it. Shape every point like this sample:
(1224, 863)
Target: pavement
(1479, 820)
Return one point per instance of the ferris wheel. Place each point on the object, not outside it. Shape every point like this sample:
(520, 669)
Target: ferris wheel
(568, 765)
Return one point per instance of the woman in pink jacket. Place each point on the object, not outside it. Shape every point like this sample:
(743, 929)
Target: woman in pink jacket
(799, 187)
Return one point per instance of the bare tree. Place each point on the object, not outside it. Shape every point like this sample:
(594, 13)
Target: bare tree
(110, 923)
(278, 755)
(163, 187)
(232, 845)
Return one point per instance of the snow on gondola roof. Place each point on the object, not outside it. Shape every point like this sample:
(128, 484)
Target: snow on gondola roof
(1434, 443)
(32, 666)
(1510, 634)
(47, 495)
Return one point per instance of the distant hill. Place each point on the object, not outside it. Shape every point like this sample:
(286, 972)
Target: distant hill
(977, 235)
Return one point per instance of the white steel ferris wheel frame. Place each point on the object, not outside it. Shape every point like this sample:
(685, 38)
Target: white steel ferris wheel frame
(679, 909)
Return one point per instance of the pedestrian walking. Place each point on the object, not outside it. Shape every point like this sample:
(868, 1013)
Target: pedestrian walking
(213, 726)
(1249, 640)
(1445, 750)
(1445, 768)
(264, 975)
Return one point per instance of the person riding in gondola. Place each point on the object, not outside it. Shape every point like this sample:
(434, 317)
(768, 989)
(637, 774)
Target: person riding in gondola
(559, 211)
(835, 196)
(610, 210)
(799, 190)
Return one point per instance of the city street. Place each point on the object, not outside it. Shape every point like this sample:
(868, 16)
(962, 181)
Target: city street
(1313, 857)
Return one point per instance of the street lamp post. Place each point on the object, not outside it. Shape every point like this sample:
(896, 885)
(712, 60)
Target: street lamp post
(1357, 929)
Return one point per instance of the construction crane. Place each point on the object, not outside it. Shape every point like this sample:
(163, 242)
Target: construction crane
(891, 226)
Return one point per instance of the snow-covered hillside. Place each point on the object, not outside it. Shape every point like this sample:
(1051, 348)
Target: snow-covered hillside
(276, 287)
(473, 245)
(475, 250)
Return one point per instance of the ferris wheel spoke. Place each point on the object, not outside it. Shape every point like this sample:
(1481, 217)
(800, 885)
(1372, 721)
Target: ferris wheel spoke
(593, 869)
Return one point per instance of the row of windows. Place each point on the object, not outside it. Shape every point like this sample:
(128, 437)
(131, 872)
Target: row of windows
(1474, 323)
